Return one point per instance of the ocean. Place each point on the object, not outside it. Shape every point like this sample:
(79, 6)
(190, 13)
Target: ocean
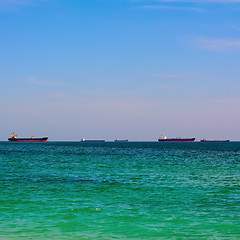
(117, 190)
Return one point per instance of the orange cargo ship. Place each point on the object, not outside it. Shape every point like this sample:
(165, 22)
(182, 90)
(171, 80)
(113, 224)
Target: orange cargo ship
(14, 138)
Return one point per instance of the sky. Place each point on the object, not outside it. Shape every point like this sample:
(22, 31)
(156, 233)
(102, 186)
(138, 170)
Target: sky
(106, 69)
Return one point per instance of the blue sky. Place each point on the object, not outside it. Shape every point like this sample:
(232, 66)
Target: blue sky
(120, 68)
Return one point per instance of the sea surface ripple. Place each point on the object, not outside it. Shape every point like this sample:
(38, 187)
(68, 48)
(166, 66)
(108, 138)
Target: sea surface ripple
(132, 190)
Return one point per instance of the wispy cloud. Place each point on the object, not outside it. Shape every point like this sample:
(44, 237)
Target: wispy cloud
(43, 82)
(236, 28)
(175, 76)
(9, 4)
(217, 44)
(162, 7)
(225, 100)
(13, 1)
(186, 1)
(163, 86)
(58, 95)
(20, 2)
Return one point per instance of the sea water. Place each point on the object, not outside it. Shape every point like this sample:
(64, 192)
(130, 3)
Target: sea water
(114, 190)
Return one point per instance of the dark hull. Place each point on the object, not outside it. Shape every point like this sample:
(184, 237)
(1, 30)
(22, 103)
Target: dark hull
(92, 140)
(121, 140)
(177, 140)
(215, 140)
(44, 139)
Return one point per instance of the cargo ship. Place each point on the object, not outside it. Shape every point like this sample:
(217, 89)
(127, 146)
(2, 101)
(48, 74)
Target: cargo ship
(120, 140)
(14, 138)
(92, 140)
(205, 140)
(177, 139)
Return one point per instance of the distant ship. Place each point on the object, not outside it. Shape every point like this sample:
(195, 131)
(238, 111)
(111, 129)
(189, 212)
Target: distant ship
(92, 140)
(177, 139)
(14, 138)
(205, 140)
(120, 140)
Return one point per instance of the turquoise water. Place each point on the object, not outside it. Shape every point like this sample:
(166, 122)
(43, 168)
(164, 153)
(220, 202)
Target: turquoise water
(74, 190)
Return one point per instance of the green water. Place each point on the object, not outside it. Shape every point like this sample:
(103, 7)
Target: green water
(119, 190)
